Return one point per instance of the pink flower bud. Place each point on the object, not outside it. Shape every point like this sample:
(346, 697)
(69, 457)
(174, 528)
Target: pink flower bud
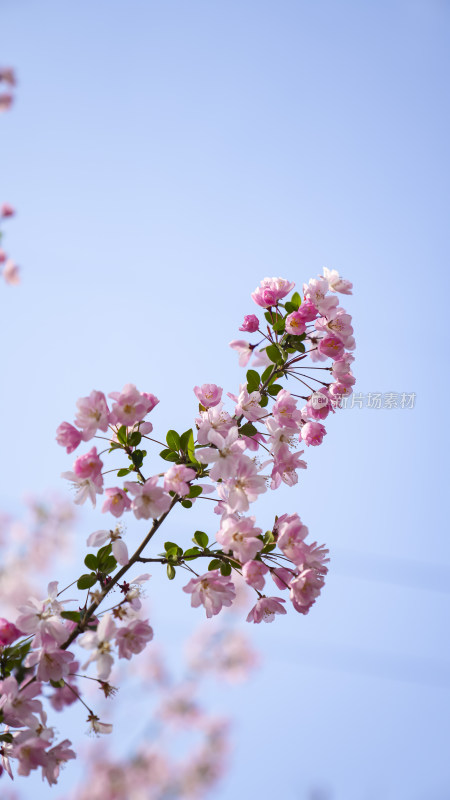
(8, 632)
(250, 324)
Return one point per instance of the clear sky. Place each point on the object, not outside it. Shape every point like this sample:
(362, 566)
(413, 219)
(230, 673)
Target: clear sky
(163, 158)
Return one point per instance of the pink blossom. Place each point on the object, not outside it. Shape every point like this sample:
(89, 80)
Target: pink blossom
(145, 428)
(250, 324)
(132, 638)
(120, 551)
(336, 283)
(331, 346)
(339, 390)
(98, 727)
(285, 411)
(68, 436)
(17, 704)
(305, 590)
(313, 433)
(176, 479)
(307, 311)
(316, 291)
(152, 401)
(11, 273)
(116, 501)
(295, 324)
(89, 465)
(225, 455)
(240, 536)
(211, 590)
(30, 751)
(208, 394)
(253, 573)
(53, 663)
(150, 500)
(291, 536)
(338, 324)
(279, 435)
(131, 406)
(245, 486)
(98, 538)
(282, 577)
(285, 466)
(8, 632)
(86, 487)
(3, 256)
(38, 617)
(248, 404)
(265, 609)
(261, 359)
(92, 414)
(54, 758)
(319, 404)
(244, 350)
(271, 290)
(98, 641)
(214, 419)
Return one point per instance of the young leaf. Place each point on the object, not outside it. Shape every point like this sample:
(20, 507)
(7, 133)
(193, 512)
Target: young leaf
(134, 439)
(192, 552)
(248, 429)
(195, 491)
(200, 538)
(225, 568)
(74, 616)
(215, 564)
(170, 572)
(86, 581)
(296, 300)
(125, 471)
(122, 434)
(169, 455)
(252, 381)
(186, 504)
(91, 561)
(173, 440)
(185, 439)
(274, 354)
(274, 388)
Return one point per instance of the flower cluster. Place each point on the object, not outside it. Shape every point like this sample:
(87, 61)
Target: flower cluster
(234, 454)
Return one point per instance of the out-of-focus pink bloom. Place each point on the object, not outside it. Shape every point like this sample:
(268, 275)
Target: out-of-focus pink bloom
(62, 695)
(331, 346)
(98, 641)
(3, 256)
(93, 413)
(98, 538)
(319, 404)
(120, 552)
(7, 211)
(8, 75)
(244, 350)
(68, 436)
(285, 466)
(131, 406)
(271, 290)
(6, 101)
(313, 433)
(240, 536)
(265, 609)
(211, 590)
(88, 465)
(336, 283)
(208, 394)
(132, 638)
(11, 273)
(250, 324)
(295, 324)
(248, 404)
(225, 457)
(245, 486)
(261, 359)
(145, 428)
(285, 411)
(8, 632)
(17, 703)
(253, 573)
(175, 479)
(54, 758)
(150, 500)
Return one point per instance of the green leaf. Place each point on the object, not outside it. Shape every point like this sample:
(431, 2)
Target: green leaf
(171, 547)
(290, 307)
(122, 434)
(137, 457)
(248, 429)
(122, 472)
(192, 552)
(263, 402)
(86, 581)
(225, 568)
(170, 572)
(186, 504)
(91, 561)
(109, 565)
(268, 547)
(266, 374)
(185, 440)
(103, 554)
(114, 446)
(296, 300)
(252, 381)
(215, 564)
(134, 439)
(74, 616)
(6, 737)
(274, 354)
(58, 684)
(169, 455)
(173, 440)
(268, 316)
(195, 491)
(274, 388)
(278, 326)
(201, 539)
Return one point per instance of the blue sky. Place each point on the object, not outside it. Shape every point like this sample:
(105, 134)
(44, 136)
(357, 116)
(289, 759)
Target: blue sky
(163, 158)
